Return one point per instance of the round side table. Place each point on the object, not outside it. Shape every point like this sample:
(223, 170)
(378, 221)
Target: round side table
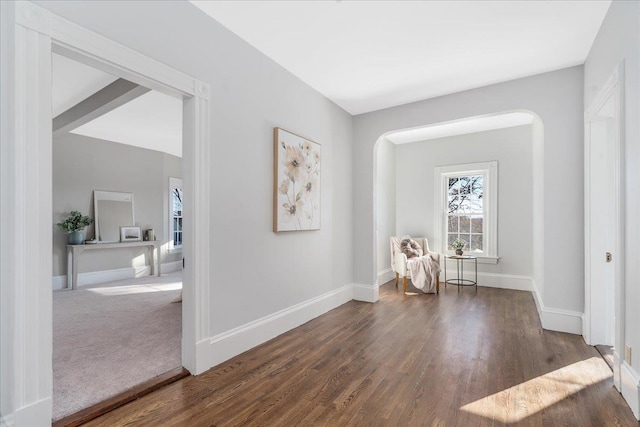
(459, 280)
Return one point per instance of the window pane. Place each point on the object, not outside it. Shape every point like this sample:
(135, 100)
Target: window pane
(465, 224)
(476, 224)
(452, 237)
(465, 194)
(454, 186)
(453, 224)
(476, 242)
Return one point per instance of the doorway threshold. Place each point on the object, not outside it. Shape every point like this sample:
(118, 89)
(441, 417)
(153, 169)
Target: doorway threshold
(101, 408)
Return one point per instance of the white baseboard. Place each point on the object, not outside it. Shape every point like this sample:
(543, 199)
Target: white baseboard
(556, 319)
(365, 293)
(169, 267)
(35, 414)
(630, 382)
(385, 275)
(95, 277)
(495, 280)
(224, 346)
(617, 363)
(505, 281)
(7, 421)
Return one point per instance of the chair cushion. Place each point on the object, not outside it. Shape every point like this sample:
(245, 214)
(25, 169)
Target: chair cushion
(411, 248)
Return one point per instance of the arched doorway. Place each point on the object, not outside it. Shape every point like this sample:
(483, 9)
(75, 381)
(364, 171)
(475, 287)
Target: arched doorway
(384, 210)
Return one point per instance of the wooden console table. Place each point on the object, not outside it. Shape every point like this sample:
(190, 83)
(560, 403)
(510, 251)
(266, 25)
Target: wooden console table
(74, 252)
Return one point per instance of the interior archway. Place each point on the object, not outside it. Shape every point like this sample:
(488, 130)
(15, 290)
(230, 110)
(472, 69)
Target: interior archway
(457, 127)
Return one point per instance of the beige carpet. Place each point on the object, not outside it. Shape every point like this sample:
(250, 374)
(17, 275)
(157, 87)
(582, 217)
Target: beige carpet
(110, 337)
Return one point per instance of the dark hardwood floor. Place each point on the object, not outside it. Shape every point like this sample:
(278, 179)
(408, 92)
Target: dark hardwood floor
(453, 359)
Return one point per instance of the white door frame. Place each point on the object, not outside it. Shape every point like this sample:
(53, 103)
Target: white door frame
(27, 184)
(611, 90)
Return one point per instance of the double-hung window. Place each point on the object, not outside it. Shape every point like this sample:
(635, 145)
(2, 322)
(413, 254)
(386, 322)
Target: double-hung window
(175, 214)
(466, 203)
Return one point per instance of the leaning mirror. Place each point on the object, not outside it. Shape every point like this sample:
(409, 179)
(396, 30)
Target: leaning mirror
(112, 210)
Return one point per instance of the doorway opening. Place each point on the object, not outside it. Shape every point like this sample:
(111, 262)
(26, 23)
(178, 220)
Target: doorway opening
(603, 324)
(36, 33)
(117, 159)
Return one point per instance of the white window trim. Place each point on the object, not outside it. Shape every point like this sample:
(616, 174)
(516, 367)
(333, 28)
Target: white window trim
(490, 204)
(173, 183)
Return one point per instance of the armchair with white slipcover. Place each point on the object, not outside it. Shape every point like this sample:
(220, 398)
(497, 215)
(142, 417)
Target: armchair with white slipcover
(399, 260)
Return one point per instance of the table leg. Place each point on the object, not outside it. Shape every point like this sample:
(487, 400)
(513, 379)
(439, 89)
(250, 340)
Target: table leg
(159, 261)
(476, 260)
(152, 261)
(445, 273)
(74, 283)
(69, 268)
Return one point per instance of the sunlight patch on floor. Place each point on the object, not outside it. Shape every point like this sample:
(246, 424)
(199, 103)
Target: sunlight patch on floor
(137, 289)
(520, 401)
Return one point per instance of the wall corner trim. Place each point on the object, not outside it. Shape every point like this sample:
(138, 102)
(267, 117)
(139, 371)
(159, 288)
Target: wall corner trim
(630, 388)
(365, 293)
(221, 347)
(555, 319)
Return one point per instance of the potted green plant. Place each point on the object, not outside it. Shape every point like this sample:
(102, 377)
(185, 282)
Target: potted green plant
(458, 245)
(74, 224)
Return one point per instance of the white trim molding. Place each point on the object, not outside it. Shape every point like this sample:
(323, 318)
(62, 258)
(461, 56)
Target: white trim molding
(617, 374)
(595, 316)
(630, 387)
(555, 319)
(495, 280)
(103, 276)
(27, 199)
(365, 293)
(226, 345)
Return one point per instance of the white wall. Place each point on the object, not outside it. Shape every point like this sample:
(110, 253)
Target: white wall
(512, 149)
(386, 206)
(82, 165)
(254, 271)
(618, 41)
(557, 98)
(7, 271)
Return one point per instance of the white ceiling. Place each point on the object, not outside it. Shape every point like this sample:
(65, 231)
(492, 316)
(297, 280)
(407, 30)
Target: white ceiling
(369, 55)
(365, 56)
(152, 121)
(72, 82)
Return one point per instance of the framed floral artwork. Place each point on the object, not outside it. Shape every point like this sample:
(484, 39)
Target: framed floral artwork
(296, 192)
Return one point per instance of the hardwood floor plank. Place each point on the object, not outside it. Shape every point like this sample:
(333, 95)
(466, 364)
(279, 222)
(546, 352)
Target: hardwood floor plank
(453, 359)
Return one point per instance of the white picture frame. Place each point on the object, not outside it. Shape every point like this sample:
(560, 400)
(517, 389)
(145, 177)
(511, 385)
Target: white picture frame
(130, 234)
